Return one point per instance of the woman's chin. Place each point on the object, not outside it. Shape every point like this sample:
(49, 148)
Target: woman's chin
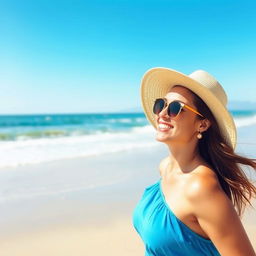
(162, 137)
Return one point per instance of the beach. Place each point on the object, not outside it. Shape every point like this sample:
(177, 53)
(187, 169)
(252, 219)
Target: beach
(89, 221)
(84, 205)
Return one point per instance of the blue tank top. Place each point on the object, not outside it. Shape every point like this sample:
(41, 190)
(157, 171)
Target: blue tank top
(162, 232)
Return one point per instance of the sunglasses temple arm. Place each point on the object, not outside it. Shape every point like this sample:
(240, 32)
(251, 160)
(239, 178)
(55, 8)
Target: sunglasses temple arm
(193, 110)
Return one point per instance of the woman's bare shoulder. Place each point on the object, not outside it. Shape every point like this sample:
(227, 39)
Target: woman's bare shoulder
(216, 214)
(203, 180)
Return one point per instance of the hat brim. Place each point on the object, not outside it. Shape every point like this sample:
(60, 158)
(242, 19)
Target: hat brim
(157, 82)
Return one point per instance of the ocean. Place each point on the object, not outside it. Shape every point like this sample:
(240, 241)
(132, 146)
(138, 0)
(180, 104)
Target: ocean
(31, 139)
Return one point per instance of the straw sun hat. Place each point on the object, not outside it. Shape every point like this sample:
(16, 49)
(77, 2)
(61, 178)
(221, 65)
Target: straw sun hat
(157, 82)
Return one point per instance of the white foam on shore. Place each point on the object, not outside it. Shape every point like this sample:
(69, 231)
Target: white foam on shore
(245, 121)
(34, 151)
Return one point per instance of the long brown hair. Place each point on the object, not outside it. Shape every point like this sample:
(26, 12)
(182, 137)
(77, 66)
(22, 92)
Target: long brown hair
(224, 161)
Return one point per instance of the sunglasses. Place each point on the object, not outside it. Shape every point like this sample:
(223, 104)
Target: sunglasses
(173, 109)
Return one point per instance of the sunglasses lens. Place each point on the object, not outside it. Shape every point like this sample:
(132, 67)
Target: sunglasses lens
(174, 109)
(158, 106)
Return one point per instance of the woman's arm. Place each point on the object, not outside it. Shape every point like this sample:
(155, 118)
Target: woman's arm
(217, 217)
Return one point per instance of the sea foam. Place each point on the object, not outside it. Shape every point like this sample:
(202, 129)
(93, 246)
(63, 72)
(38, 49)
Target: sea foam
(31, 150)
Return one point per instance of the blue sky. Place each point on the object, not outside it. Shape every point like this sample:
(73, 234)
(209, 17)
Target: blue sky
(89, 56)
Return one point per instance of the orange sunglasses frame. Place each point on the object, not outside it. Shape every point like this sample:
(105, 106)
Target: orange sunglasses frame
(182, 106)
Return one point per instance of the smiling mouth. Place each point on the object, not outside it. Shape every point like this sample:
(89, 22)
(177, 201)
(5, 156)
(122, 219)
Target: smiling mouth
(164, 127)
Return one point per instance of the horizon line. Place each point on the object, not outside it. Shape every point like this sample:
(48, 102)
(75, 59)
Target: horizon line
(100, 112)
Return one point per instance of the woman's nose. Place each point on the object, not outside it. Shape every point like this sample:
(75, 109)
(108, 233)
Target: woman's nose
(163, 112)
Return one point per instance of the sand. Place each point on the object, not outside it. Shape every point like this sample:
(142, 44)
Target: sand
(116, 237)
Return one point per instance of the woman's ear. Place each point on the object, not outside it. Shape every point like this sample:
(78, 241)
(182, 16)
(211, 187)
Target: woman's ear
(204, 125)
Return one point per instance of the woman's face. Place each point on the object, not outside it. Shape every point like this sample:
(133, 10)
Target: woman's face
(182, 128)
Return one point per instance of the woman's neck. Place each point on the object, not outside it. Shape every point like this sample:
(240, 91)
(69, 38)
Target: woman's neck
(183, 159)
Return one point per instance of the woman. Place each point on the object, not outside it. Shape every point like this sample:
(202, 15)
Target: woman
(195, 207)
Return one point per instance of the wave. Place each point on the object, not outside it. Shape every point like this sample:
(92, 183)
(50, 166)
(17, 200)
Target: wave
(37, 146)
(245, 121)
(39, 134)
(33, 151)
(65, 119)
(120, 120)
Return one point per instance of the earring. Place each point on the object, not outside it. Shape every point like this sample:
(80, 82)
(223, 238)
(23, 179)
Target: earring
(199, 135)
